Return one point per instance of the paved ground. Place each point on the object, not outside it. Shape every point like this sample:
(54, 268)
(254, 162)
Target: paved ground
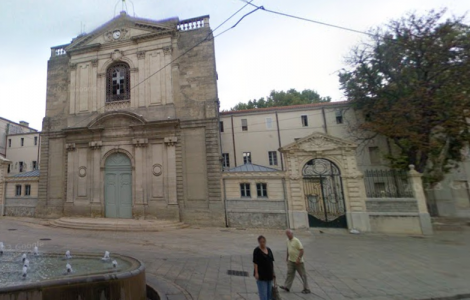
(192, 263)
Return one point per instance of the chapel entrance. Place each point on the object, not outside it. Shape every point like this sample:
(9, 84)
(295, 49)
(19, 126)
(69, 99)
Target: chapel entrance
(323, 190)
(118, 186)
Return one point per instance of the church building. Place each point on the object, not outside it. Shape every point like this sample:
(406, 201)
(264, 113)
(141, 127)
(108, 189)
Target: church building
(131, 127)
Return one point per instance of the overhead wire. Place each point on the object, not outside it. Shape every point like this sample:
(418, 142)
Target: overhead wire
(305, 19)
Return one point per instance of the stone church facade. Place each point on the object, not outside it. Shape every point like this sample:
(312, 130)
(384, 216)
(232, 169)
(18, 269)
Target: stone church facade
(131, 125)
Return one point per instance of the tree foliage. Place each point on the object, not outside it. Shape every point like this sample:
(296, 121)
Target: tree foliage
(291, 97)
(411, 81)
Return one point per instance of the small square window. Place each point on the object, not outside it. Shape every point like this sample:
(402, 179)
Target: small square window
(269, 123)
(225, 160)
(35, 165)
(304, 119)
(245, 190)
(272, 158)
(247, 158)
(18, 190)
(339, 117)
(35, 141)
(27, 190)
(262, 190)
(244, 125)
(221, 125)
(21, 166)
(22, 142)
(375, 156)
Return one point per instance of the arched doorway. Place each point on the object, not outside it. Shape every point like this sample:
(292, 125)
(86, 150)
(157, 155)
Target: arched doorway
(323, 190)
(118, 186)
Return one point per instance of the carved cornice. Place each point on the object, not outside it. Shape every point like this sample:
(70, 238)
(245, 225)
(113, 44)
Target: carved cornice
(94, 63)
(145, 37)
(70, 147)
(140, 54)
(167, 50)
(95, 145)
(72, 66)
(170, 141)
(140, 142)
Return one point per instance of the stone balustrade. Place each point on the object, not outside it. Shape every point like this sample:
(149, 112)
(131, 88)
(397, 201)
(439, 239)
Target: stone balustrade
(58, 51)
(194, 23)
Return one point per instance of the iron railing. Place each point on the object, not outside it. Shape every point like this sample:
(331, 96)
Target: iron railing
(387, 184)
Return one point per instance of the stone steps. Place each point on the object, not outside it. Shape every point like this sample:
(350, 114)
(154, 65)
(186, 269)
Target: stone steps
(106, 224)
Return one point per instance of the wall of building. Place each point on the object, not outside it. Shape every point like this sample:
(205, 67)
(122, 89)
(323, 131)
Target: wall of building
(260, 138)
(28, 152)
(9, 127)
(254, 211)
(21, 205)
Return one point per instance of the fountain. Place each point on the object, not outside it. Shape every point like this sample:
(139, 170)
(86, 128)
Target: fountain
(42, 276)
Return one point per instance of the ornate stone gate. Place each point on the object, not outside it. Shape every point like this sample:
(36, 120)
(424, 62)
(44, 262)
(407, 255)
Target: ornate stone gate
(340, 153)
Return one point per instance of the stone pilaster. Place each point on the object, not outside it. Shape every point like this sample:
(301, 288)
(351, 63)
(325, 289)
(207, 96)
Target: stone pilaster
(171, 169)
(416, 183)
(70, 172)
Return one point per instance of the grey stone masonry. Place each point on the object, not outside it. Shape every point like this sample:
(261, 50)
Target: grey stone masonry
(391, 205)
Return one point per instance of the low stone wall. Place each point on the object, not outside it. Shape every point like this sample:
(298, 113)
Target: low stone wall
(20, 207)
(256, 213)
(394, 215)
(392, 205)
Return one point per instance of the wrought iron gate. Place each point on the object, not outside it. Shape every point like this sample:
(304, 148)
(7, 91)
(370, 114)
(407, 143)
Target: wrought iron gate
(324, 196)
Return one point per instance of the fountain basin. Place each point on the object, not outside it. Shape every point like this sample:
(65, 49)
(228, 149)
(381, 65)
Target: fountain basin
(92, 278)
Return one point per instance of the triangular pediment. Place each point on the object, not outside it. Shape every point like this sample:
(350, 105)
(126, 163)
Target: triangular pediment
(318, 141)
(122, 28)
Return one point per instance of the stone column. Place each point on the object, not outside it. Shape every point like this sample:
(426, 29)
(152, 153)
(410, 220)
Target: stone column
(171, 170)
(416, 183)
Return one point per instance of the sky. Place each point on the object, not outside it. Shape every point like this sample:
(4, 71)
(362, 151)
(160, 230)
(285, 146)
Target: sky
(264, 52)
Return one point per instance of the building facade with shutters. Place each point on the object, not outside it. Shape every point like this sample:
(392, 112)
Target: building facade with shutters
(131, 126)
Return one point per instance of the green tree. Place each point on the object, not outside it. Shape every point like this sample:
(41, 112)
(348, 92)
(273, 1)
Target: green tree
(291, 97)
(411, 81)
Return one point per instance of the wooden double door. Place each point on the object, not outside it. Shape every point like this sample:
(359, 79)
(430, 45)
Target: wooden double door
(118, 186)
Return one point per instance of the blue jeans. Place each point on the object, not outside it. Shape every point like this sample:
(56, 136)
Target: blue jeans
(265, 289)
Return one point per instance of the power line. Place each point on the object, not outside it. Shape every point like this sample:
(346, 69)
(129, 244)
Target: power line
(307, 20)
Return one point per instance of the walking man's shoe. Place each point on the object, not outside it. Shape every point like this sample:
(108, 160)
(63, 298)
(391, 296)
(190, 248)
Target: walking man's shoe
(306, 291)
(284, 288)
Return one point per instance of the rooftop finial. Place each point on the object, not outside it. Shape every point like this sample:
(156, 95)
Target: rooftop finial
(124, 9)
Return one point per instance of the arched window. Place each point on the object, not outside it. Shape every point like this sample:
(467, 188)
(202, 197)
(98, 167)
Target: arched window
(118, 82)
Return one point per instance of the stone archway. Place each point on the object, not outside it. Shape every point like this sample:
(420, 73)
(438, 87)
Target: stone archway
(342, 154)
(118, 186)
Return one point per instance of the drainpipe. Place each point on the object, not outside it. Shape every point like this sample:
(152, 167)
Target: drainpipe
(39, 146)
(225, 203)
(279, 141)
(324, 120)
(286, 205)
(233, 140)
